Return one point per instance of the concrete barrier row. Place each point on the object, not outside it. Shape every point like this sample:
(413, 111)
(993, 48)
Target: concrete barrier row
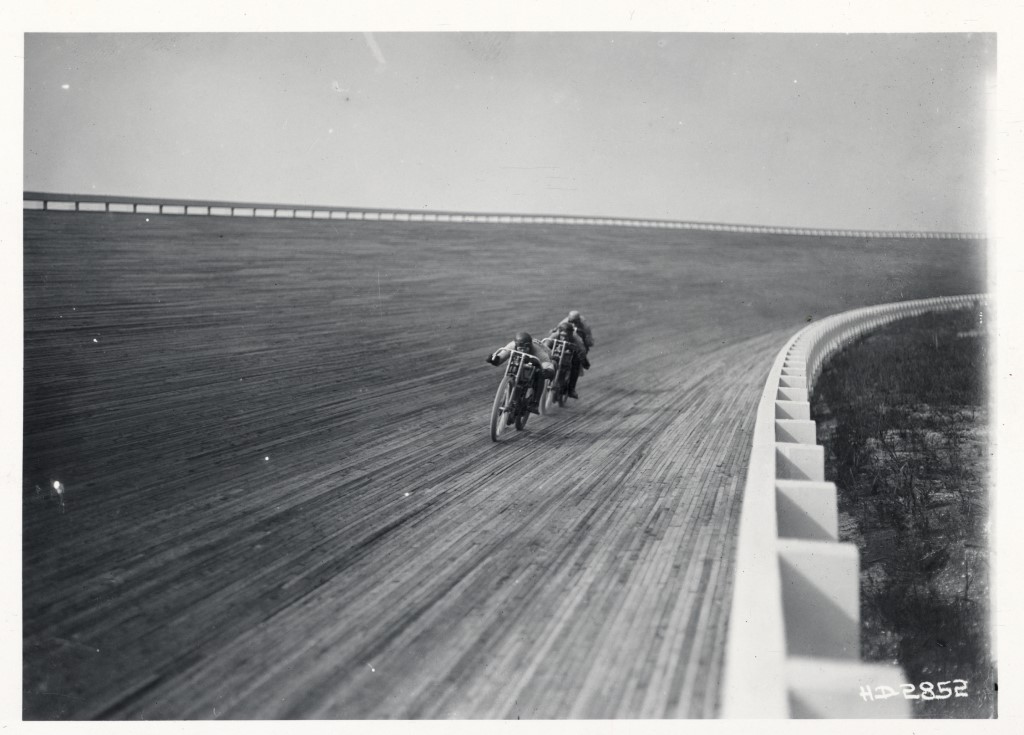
(136, 205)
(794, 628)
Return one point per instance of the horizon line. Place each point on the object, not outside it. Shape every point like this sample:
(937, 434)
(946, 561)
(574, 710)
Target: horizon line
(44, 198)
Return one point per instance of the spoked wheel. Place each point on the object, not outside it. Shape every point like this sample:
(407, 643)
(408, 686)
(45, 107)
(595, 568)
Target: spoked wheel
(555, 393)
(500, 416)
(547, 398)
(524, 413)
(563, 389)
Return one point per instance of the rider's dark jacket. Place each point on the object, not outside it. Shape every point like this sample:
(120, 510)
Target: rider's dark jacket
(537, 349)
(573, 339)
(584, 332)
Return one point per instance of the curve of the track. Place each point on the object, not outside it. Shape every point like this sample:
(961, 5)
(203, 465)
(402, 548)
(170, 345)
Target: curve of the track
(279, 499)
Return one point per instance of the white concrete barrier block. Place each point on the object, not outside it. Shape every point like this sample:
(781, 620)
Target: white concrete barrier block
(799, 462)
(807, 510)
(838, 689)
(793, 410)
(796, 431)
(796, 371)
(792, 394)
(820, 598)
(792, 381)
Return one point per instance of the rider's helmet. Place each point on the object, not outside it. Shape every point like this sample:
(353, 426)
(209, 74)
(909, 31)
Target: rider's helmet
(574, 317)
(564, 330)
(523, 341)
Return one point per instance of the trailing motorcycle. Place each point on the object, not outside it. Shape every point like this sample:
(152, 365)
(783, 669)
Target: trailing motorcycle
(556, 390)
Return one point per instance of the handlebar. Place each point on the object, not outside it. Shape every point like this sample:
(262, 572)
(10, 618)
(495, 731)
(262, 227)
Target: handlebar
(517, 365)
(562, 346)
(524, 354)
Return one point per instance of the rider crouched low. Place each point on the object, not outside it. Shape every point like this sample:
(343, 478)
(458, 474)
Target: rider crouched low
(581, 327)
(523, 342)
(568, 332)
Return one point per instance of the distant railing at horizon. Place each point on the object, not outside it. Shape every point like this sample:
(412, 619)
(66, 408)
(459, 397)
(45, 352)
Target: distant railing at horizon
(33, 200)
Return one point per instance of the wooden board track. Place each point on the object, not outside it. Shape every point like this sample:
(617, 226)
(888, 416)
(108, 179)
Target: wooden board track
(279, 496)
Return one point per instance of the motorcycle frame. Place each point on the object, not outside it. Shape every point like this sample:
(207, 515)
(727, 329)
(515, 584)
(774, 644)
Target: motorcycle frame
(559, 348)
(520, 362)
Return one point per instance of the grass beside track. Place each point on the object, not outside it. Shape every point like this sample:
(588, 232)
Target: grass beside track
(903, 418)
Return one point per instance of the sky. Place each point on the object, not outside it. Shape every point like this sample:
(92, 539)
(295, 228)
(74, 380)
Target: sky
(882, 131)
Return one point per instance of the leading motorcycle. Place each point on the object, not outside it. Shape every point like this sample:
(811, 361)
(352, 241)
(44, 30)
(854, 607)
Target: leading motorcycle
(514, 394)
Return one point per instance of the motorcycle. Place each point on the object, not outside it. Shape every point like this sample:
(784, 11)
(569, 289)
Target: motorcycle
(556, 390)
(514, 394)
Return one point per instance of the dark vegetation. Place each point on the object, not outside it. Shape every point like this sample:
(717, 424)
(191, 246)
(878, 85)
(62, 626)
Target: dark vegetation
(903, 417)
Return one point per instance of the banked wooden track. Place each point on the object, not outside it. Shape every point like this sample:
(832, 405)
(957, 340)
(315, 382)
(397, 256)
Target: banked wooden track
(279, 497)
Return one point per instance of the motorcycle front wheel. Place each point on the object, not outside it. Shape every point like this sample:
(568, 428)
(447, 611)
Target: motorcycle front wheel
(563, 393)
(499, 410)
(547, 398)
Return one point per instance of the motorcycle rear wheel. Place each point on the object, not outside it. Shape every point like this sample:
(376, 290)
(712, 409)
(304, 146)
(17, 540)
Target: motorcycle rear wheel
(522, 418)
(524, 413)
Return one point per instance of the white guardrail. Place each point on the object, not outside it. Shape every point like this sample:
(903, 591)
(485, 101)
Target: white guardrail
(138, 205)
(794, 630)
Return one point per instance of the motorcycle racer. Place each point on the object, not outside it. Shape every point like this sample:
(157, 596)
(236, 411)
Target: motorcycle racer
(568, 332)
(524, 342)
(576, 319)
